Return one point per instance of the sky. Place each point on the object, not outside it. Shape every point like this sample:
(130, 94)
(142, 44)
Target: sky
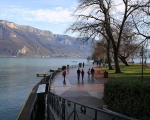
(52, 15)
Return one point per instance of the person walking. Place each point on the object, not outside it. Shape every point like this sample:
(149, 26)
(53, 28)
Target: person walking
(78, 73)
(89, 72)
(83, 64)
(92, 72)
(64, 75)
(82, 73)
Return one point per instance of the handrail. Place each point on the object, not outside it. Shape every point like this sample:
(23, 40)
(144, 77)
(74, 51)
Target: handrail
(29, 109)
(65, 109)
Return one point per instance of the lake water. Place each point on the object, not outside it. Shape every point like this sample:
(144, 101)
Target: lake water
(18, 77)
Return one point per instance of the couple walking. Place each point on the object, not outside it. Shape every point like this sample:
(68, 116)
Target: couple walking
(91, 71)
(80, 72)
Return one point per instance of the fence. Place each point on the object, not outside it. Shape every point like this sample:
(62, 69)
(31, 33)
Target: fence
(59, 108)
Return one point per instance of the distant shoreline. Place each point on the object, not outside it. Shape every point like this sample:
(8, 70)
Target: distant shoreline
(46, 57)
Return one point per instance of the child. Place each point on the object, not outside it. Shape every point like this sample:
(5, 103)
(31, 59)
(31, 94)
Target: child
(89, 72)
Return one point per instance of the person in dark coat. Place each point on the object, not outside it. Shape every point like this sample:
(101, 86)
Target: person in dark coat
(82, 73)
(78, 73)
(83, 64)
(93, 63)
(92, 72)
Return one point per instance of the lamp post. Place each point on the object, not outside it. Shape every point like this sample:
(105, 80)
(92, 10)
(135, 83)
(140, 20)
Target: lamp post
(141, 54)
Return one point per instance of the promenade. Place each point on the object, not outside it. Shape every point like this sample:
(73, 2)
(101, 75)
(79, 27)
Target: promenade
(88, 91)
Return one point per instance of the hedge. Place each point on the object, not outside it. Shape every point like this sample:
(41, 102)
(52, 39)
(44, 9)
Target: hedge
(129, 97)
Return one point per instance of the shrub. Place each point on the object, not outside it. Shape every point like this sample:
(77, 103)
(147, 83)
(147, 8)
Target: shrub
(129, 97)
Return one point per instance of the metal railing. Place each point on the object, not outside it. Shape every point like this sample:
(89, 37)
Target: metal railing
(30, 108)
(59, 108)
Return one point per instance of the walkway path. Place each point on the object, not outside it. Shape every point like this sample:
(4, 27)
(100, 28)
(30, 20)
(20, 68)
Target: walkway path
(88, 91)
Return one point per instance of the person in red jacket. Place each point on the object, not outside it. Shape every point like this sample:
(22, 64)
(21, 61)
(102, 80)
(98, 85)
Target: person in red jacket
(64, 74)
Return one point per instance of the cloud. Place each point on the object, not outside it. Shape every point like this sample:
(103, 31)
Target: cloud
(59, 15)
(55, 15)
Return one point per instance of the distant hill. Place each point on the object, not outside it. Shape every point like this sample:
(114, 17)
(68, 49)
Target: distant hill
(26, 41)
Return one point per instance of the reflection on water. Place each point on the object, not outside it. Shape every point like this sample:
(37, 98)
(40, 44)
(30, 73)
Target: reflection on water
(17, 78)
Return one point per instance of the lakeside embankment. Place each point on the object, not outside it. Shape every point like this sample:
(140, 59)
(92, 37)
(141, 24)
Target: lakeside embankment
(86, 92)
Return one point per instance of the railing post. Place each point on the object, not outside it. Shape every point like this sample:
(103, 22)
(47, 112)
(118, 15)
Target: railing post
(95, 115)
(74, 111)
(63, 109)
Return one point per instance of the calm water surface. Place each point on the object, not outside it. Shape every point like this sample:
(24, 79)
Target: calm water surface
(17, 78)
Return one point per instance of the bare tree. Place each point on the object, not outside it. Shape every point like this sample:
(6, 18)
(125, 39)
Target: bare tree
(128, 43)
(98, 51)
(104, 17)
(102, 50)
(141, 20)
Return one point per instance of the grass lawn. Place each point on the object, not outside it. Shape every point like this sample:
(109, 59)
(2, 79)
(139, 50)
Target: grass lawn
(132, 72)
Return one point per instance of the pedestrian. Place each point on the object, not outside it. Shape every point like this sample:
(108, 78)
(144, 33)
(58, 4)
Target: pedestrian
(93, 63)
(89, 72)
(83, 64)
(64, 75)
(92, 72)
(78, 73)
(82, 73)
(97, 63)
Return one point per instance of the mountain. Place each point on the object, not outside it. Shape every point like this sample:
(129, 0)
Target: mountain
(26, 41)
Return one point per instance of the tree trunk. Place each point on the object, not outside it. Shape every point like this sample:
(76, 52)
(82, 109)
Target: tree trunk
(108, 56)
(117, 67)
(123, 59)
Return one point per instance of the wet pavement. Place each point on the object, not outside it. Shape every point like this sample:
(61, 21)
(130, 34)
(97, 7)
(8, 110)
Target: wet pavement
(88, 91)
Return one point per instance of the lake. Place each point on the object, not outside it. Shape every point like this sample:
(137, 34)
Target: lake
(18, 77)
